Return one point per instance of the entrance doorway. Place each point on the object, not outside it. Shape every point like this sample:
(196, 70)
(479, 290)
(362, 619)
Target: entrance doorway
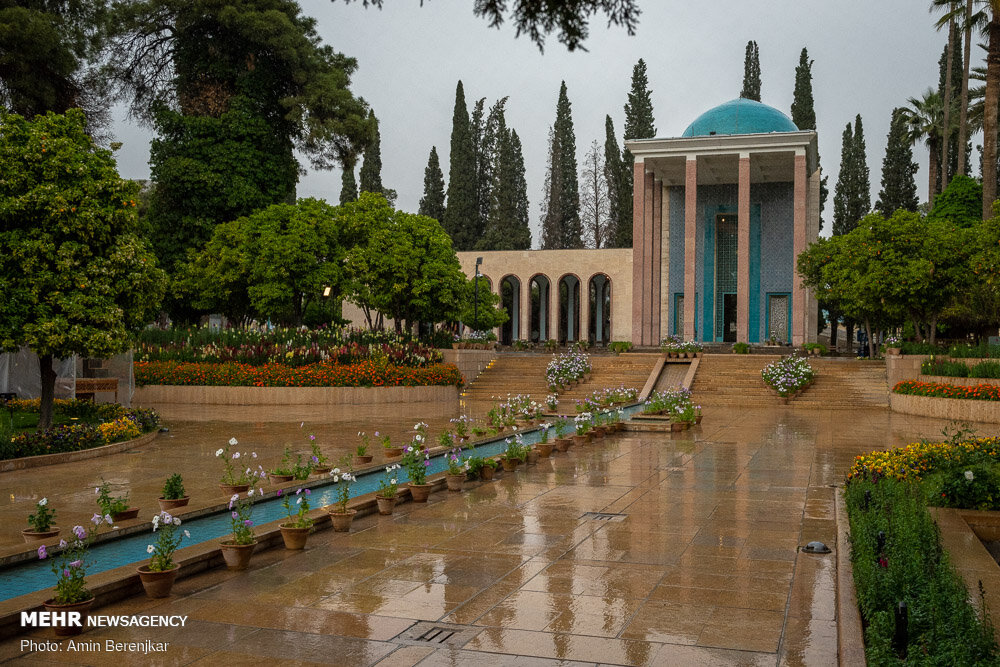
(729, 317)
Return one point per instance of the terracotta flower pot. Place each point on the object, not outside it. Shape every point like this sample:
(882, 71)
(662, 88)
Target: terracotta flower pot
(322, 470)
(367, 458)
(280, 479)
(342, 520)
(455, 481)
(82, 607)
(486, 473)
(544, 450)
(579, 440)
(294, 537)
(157, 584)
(391, 452)
(676, 426)
(562, 444)
(510, 465)
(420, 492)
(172, 504)
(35, 536)
(385, 505)
(697, 420)
(230, 489)
(598, 432)
(237, 556)
(893, 351)
(130, 513)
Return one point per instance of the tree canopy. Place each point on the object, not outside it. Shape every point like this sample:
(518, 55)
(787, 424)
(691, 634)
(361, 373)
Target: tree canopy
(75, 275)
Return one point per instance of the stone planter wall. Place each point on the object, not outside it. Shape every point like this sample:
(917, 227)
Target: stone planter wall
(470, 362)
(960, 409)
(158, 394)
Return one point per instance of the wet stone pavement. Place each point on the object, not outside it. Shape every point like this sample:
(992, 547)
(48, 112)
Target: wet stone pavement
(703, 569)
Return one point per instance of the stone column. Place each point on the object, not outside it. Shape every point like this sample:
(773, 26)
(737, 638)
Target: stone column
(654, 272)
(572, 332)
(647, 258)
(584, 308)
(798, 246)
(552, 330)
(690, 250)
(743, 252)
(638, 249)
(524, 309)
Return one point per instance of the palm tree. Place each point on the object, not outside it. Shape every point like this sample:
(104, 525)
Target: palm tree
(949, 20)
(924, 118)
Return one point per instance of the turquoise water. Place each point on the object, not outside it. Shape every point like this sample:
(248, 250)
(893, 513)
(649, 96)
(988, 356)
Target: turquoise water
(35, 575)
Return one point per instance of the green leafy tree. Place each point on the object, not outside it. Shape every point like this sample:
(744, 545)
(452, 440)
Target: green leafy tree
(619, 190)
(487, 313)
(432, 203)
(561, 226)
(899, 189)
(961, 203)
(639, 124)
(46, 53)
(751, 72)
(273, 264)
(348, 184)
(371, 166)
(924, 118)
(76, 277)
(463, 204)
(403, 265)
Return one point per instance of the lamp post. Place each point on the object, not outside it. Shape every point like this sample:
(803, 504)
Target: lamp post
(475, 310)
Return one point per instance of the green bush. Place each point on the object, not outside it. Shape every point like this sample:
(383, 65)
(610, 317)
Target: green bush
(952, 369)
(620, 346)
(974, 487)
(897, 556)
(985, 369)
(741, 348)
(981, 351)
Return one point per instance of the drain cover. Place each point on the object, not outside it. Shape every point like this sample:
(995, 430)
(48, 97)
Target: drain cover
(426, 633)
(816, 548)
(603, 516)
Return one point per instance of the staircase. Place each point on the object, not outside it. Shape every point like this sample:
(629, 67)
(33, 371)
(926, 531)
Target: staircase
(734, 379)
(525, 374)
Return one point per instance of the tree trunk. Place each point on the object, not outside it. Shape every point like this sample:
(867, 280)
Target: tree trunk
(932, 325)
(871, 340)
(849, 333)
(918, 330)
(833, 331)
(963, 110)
(934, 147)
(946, 120)
(48, 391)
(990, 114)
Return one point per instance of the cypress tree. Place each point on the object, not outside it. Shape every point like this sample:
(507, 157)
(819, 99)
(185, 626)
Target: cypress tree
(432, 203)
(371, 167)
(570, 229)
(477, 125)
(619, 192)
(520, 232)
(841, 193)
(507, 226)
(348, 186)
(639, 124)
(899, 188)
(862, 187)
(551, 204)
(804, 114)
(751, 72)
(462, 204)
(852, 194)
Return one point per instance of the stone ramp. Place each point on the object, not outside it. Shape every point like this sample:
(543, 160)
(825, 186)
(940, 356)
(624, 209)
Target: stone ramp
(734, 379)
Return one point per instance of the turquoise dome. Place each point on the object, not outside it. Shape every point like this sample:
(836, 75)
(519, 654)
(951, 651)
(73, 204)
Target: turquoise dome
(740, 116)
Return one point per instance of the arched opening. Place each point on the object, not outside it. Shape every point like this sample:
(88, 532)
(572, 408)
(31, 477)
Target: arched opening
(599, 327)
(569, 308)
(539, 331)
(510, 300)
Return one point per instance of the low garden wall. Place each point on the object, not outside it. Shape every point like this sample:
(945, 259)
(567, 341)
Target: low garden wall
(470, 362)
(960, 409)
(158, 394)
(23, 463)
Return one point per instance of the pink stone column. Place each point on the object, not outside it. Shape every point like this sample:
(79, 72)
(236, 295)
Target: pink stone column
(524, 316)
(798, 246)
(743, 252)
(584, 333)
(690, 250)
(638, 235)
(647, 260)
(552, 330)
(654, 273)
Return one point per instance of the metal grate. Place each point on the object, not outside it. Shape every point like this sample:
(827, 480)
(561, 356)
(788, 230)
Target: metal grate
(603, 516)
(436, 635)
(426, 633)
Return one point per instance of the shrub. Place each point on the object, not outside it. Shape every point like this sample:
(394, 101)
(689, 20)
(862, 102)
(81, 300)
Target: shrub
(953, 369)
(173, 488)
(620, 346)
(787, 375)
(985, 369)
(976, 487)
(741, 348)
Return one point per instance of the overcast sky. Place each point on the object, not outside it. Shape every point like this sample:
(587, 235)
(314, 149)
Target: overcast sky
(869, 57)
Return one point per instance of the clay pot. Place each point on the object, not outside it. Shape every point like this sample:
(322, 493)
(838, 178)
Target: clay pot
(420, 492)
(322, 470)
(562, 444)
(509, 465)
(579, 440)
(157, 584)
(237, 556)
(294, 537)
(82, 607)
(35, 536)
(230, 489)
(367, 458)
(893, 351)
(385, 505)
(390, 452)
(486, 473)
(544, 449)
(130, 513)
(280, 479)
(455, 481)
(676, 426)
(697, 420)
(342, 520)
(172, 504)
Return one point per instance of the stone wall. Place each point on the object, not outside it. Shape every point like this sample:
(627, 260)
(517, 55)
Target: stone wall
(960, 409)
(158, 394)
(470, 362)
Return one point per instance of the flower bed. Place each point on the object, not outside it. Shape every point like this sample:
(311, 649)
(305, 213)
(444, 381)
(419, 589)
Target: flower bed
(603, 398)
(566, 368)
(979, 392)
(788, 375)
(917, 459)
(674, 346)
(324, 374)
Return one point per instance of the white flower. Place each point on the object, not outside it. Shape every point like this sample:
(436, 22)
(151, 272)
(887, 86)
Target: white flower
(177, 521)
(235, 497)
(392, 481)
(298, 501)
(219, 451)
(335, 477)
(336, 471)
(253, 455)
(97, 489)
(187, 534)
(249, 493)
(969, 476)
(233, 442)
(43, 502)
(149, 548)
(236, 455)
(156, 522)
(167, 518)
(107, 518)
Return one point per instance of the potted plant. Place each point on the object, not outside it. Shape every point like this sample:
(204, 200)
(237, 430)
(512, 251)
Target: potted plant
(296, 529)
(582, 425)
(741, 348)
(513, 455)
(239, 547)
(284, 471)
(458, 470)
(341, 517)
(115, 506)
(173, 494)
(561, 443)
(71, 592)
(236, 480)
(893, 345)
(462, 424)
(552, 402)
(416, 460)
(388, 487)
(300, 470)
(387, 449)
(320, 463)
(361, 451)
(544, 448)
(41, 523)
(158, 577)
